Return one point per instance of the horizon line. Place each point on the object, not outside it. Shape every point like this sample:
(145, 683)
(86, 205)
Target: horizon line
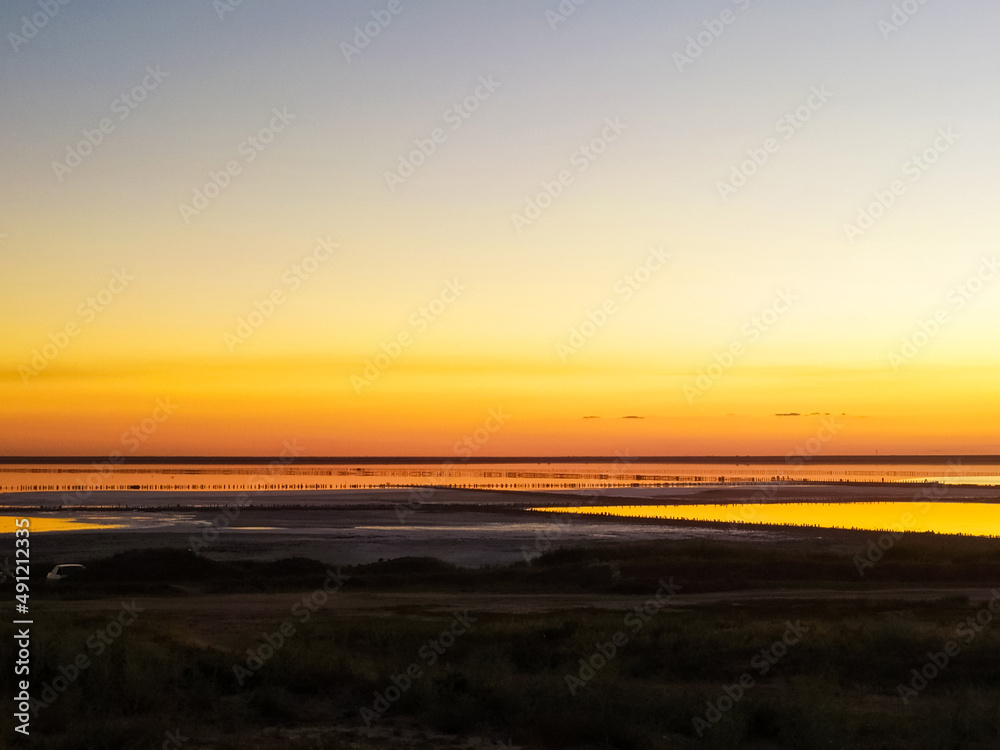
(974, 458)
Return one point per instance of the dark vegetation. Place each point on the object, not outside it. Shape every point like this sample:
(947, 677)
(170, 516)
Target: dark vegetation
(505, 678)
(699, 566)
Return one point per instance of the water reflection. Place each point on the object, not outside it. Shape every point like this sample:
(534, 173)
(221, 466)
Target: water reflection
(40, 525)
(81, 480)
(978, 519)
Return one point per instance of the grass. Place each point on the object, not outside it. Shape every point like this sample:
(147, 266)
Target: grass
(699, 566)
(505, 678)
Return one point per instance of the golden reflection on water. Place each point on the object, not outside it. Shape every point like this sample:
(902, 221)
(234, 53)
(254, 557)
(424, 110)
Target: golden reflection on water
(45, 524)
(978, 519)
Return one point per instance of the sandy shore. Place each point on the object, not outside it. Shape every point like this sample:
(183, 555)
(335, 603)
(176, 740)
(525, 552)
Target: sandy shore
(464, 527)
(349, 537)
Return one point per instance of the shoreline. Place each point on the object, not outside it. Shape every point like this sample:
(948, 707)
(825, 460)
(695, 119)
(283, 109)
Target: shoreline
(423, 495)
(468, 528)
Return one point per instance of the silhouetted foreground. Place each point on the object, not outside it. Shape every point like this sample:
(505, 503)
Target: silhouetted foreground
(673, 644)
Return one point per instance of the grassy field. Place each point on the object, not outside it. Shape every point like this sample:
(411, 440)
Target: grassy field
(662, 668)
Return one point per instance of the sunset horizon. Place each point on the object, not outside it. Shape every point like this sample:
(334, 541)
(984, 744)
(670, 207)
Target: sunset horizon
(680, 245)
(518, 375)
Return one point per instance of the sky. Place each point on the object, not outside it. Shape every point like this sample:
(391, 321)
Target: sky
(376, 228)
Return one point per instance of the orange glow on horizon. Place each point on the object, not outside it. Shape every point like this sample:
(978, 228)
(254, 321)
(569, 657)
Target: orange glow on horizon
(423, 406)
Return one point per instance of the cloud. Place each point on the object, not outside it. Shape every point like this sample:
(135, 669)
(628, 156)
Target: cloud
(789, 414)
(591, 417)
(632, 416)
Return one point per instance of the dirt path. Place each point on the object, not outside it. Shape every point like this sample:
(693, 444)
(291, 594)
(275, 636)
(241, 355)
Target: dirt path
(270, 606)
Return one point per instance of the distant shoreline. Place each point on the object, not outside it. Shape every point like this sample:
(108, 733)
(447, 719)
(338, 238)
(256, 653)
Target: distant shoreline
(467, 498)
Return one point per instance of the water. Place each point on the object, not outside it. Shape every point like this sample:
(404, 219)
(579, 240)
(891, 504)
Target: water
(978, 519)
(45, 524)
(537, 476)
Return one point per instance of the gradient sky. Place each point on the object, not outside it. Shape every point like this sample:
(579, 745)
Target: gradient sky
(500, 344)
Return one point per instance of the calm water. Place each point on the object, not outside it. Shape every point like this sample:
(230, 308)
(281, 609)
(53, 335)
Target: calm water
(512, 476)
(978, 519)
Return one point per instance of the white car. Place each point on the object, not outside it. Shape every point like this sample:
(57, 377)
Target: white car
(62, 572)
